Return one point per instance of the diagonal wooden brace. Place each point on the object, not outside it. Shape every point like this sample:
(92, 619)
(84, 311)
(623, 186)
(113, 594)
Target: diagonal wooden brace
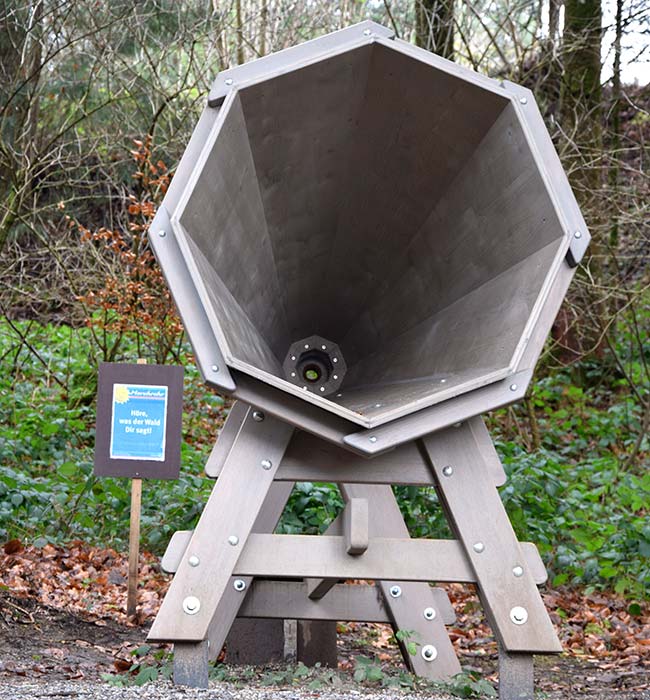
(224, 526)
(475, 511)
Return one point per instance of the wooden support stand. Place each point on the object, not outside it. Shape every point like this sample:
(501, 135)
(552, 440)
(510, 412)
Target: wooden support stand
(233, 565)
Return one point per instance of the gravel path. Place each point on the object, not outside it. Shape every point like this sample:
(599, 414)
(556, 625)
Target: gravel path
(81, 690)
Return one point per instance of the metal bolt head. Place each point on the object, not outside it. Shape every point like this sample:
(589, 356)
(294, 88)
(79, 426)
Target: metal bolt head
(233, 540)
(518, 571)
(513, 387)
(367, 32)
(191, 605)
(577, 234)
(372, 439)
(239, 584)
(228, 81)
(519, 615)
(395, 591)
(429, 614)
(162, 233)
(447, 471)
(523, 100)
(258, 416)
(266, 464)
(478, 547)
(215, 368)
(429, 652)
(193, 560)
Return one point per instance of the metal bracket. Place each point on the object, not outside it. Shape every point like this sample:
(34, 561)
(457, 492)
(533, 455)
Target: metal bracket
(283, 61)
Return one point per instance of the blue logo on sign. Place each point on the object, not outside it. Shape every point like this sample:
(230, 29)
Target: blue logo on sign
(139, 415)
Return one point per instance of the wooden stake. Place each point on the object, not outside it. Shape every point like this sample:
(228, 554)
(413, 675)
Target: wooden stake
(134, 541)
(134, 546)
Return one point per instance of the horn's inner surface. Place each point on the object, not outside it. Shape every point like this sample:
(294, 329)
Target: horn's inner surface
(383, 204)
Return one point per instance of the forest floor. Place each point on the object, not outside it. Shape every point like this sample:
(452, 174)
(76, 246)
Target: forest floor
(62, 628)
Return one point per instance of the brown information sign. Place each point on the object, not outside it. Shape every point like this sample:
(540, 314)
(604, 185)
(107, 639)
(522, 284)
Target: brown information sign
(139, 414)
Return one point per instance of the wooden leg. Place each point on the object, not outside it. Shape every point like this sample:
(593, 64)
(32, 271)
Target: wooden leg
(413, 609)
(510, 597)
(205, 571)
(191, 664)
(516, 680)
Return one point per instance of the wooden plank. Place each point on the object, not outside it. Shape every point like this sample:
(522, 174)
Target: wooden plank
(435, 418)
(226, 439)
(407, 610)
(222, 530)
(318, 587)
(505, 579)
(232, 598)
(191, 664)
(134, 546)
(516, 676)
(305, 556)
(352, 603)
(355, 526)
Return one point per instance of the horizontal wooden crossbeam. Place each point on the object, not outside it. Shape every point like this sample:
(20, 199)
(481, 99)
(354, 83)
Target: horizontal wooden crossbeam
(310, 556)
(352, 603)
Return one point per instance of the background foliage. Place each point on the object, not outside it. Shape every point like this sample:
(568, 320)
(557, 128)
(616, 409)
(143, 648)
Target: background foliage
(93, 120)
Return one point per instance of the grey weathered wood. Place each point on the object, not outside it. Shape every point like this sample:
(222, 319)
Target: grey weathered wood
(232, 599)
(435, 418)
(516, 676)
(309, 556)
(191, 664)
(294, 57)
(318, 587)
(226, 438)
(349, 602)
(479, 518)
(407, 610)
(355, 526)
(231, 512)
(316, 643)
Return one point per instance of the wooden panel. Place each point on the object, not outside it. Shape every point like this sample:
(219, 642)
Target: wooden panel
(352, 603)
(304, 556)
(222, 530)
(477, 514)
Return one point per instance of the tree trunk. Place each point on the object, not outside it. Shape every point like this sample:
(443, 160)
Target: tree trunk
(434, 26)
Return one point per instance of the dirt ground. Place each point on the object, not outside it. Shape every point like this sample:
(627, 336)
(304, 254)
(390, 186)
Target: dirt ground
(43, 643)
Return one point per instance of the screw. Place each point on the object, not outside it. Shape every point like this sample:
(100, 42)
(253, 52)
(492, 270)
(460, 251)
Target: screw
(193, 560)
(162, 233)
(266, 464)
(367, 32)
(443, 381)
(323, 347)
(377, 405)
(293, 357)
(513, 387)
(322, 388)
(447, 471)
(478, 547)
(191, 605)
(338, 396)
(233, 540)
(518, 571)
(373, 438)
(335, 359)
(215, 368)
(293, 374)
(395, 591)
(336, 376)
(577, 234)
(429, 613)
(429, 652)
(523, 100)
(228, 81)
(306, 346)
(258, 416)
(519, 615)
(239, 585)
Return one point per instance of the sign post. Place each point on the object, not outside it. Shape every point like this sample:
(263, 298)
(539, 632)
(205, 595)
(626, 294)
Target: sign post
(139, 415)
